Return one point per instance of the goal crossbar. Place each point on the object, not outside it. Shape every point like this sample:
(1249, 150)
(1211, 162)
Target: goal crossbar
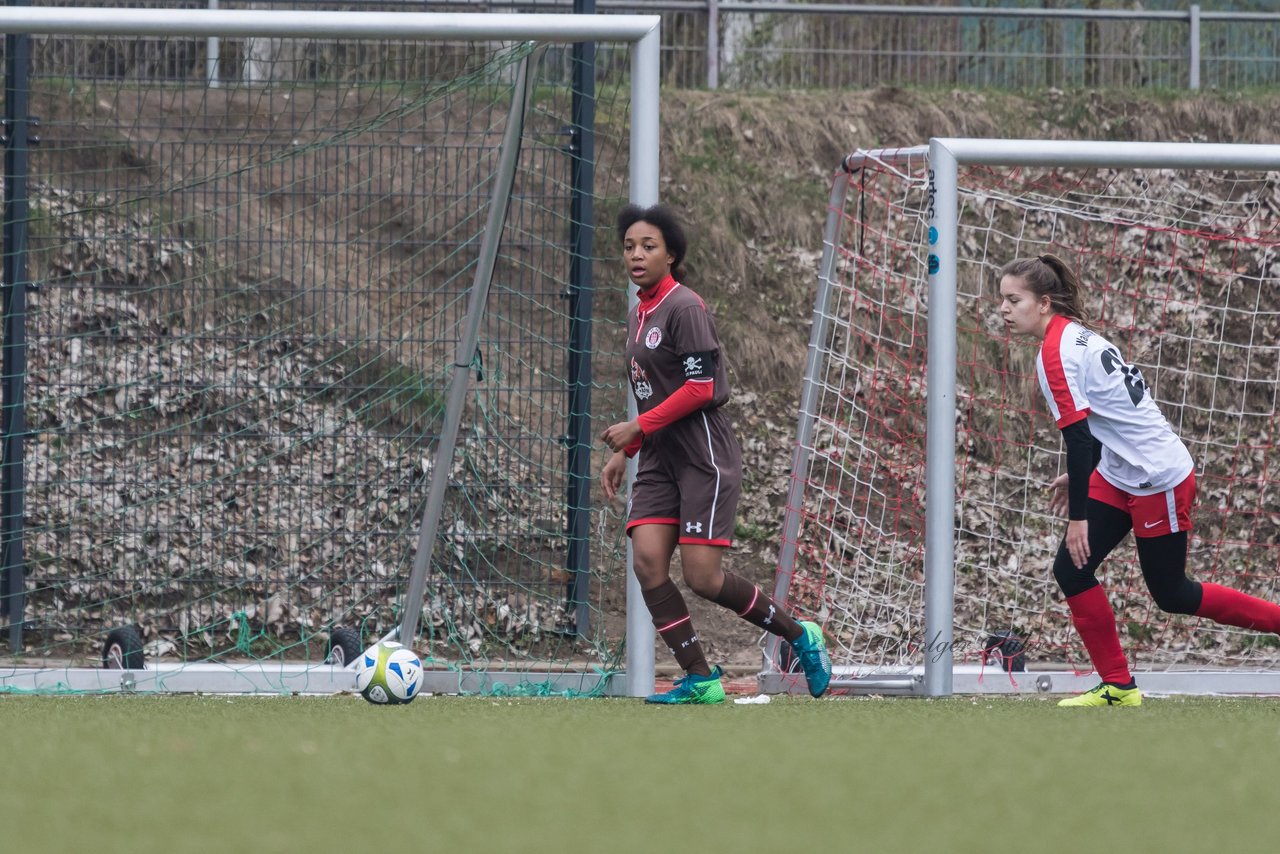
(303, 24)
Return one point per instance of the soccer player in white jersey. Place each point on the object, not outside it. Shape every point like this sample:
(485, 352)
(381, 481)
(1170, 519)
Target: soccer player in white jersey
(1126, 470)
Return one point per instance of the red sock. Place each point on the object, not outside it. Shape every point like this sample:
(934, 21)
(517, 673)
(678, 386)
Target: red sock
(1096, 622)
(1233, 608)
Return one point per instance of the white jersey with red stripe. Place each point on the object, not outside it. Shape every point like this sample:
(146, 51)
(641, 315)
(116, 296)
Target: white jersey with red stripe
(1083, 375)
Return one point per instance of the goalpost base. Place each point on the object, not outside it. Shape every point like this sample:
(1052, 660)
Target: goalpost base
(279, 679)
(975, 679)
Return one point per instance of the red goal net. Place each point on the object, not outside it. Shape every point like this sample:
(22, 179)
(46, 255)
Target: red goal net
(1179, 271)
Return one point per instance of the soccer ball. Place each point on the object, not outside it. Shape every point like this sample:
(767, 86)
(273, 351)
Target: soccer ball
(389, 674)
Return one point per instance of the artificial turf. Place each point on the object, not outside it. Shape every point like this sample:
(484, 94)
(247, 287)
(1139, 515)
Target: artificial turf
(488, 774)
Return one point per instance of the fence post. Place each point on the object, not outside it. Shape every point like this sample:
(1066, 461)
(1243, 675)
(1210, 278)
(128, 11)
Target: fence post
(1193, 40)
(713, 44)
(581, 291)
(213, 48)
(17, 103)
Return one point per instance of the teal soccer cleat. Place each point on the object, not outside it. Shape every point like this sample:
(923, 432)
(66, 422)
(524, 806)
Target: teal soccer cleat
(811, 649)
(692, 690)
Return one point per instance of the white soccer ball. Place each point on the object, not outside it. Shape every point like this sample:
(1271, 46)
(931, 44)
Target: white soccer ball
(388, 674)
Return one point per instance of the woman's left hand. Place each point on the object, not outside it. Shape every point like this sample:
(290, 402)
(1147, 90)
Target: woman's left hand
(622, 434)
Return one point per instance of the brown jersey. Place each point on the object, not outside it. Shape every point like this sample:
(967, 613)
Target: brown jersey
(689, 473)
(670, 343)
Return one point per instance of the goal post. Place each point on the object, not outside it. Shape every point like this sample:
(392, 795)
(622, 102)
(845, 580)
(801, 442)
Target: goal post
(916, 527)
(250, 297)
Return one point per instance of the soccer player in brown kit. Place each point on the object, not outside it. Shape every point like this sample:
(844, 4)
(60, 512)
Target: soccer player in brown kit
(689, 470)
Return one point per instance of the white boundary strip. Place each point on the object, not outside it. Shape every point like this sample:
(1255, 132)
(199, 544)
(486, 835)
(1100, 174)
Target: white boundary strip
(322, 680)
(971, 679)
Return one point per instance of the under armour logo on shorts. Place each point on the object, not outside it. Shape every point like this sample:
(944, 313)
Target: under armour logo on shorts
(693, 527)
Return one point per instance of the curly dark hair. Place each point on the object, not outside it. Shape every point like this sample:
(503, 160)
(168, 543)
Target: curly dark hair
(665, 221)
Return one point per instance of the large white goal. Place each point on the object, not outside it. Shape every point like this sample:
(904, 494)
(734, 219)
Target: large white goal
(298, 347)
(917, 527)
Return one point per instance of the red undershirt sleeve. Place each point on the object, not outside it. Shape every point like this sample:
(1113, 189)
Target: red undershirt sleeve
(689, 398)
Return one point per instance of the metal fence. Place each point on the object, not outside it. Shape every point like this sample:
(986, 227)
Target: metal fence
(741, 44)
(779, 45)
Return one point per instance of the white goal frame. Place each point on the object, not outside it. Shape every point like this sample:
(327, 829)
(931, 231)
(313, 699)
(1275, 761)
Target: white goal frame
(643, 32)
(938, 675)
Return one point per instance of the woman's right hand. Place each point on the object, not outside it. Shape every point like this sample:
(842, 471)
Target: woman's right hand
(614, 471)
(1058, 496)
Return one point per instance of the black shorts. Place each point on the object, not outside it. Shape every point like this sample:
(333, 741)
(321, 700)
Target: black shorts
(690, 474)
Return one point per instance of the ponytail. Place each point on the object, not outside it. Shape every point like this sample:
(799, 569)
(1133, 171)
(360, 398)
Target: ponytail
(1049, 276)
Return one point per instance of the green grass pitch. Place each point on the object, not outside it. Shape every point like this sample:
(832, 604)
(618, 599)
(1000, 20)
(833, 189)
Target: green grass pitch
(445, 774)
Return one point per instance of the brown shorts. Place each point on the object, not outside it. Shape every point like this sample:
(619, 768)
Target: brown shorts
(690, 475)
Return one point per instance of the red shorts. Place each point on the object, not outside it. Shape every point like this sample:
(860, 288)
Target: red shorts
(1153, 515)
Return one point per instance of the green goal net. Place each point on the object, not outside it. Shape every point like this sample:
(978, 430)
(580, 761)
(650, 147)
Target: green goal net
(247, 288)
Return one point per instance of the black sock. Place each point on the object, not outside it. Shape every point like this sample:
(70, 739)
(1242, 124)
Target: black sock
(751, 604)
(671, 618)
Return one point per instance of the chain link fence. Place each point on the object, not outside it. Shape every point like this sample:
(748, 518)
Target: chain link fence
(740, 44)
